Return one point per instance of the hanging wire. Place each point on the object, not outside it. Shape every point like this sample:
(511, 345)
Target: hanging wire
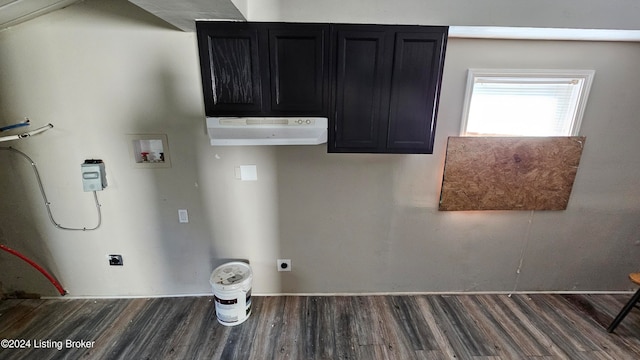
(44, 195)
(23, 135)
(26, 122)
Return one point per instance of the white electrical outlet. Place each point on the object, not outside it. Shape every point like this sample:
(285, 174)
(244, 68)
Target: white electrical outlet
(284, 264)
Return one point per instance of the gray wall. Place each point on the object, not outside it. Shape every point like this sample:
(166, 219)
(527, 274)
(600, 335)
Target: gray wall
(100, 70)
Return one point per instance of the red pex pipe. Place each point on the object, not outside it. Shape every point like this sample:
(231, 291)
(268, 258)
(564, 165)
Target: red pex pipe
(44, 272)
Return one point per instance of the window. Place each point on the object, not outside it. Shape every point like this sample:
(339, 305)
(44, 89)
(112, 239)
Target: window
(525, 102)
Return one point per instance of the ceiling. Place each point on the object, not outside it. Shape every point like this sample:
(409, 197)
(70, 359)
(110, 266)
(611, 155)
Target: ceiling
(182, 14)
(178, 13)
(13, 12)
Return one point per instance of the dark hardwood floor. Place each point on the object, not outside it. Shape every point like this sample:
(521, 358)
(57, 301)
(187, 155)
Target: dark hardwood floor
(537, 326)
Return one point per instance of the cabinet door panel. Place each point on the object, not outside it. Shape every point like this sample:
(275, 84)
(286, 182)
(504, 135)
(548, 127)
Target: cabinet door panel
(414, 91)
(230, 70)
(299, 69)
(359, 90)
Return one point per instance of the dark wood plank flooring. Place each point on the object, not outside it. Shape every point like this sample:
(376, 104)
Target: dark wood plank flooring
(537, 326)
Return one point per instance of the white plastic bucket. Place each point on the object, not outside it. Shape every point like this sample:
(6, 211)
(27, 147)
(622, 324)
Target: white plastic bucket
(231, 284)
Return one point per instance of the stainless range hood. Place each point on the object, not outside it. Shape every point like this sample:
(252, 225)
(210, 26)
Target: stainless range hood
(225, 131)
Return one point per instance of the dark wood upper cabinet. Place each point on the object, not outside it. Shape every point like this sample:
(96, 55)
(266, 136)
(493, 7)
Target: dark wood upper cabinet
(230, 65)
(360, 85)
(387, 84)
(299, 68)
(264, 69)
(379, 85)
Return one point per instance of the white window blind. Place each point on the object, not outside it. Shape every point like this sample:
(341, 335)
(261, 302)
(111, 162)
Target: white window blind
(524, 103)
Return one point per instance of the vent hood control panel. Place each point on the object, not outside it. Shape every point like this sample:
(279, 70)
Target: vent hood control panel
(267, 131)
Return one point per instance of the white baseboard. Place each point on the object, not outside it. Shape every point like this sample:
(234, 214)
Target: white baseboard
(445, 293)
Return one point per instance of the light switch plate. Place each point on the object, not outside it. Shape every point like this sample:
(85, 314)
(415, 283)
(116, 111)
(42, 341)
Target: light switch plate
(183, 216)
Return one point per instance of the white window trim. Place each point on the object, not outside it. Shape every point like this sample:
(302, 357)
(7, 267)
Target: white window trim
(586, 75)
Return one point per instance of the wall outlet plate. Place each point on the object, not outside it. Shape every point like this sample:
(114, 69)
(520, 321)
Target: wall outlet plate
(284, 264)
(115, 260)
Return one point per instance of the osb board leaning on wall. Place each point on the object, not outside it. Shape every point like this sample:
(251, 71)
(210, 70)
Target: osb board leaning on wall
(510, 173)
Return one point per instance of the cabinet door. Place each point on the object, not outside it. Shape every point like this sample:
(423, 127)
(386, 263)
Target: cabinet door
(360, 94)
(230, 67)
(298, 56)
(415, 88)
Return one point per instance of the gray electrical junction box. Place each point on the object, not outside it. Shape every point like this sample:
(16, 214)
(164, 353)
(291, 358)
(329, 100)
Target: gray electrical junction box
(94, 177)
